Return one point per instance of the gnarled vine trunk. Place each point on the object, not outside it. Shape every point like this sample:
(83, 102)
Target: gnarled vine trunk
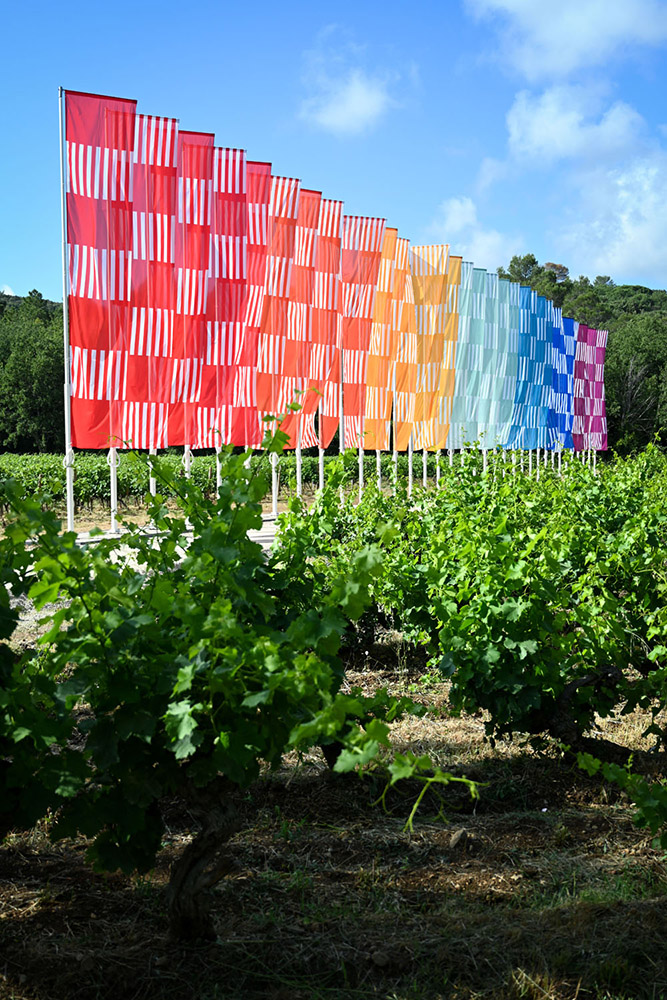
(203, 863)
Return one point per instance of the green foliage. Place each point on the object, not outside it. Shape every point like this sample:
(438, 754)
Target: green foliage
(174, 661)
(541, 600)
(31, 376)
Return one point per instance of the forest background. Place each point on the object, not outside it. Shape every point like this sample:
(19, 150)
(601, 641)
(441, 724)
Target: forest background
(31, 356)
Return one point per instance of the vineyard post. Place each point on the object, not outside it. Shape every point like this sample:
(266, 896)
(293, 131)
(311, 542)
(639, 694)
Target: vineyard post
(393, 406)
(410, 466)
(361, 470)
(545, 458)
(537, 464)
(425, 468)
(68, 460)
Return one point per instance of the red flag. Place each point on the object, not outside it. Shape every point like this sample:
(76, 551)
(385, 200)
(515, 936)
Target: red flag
(323, 353)
(245, 425)
(149, 341)
(360, 266)
(100, 138)
(226, 298)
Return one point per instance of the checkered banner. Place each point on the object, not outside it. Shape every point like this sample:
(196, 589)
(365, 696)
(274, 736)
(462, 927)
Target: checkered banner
(206, 295)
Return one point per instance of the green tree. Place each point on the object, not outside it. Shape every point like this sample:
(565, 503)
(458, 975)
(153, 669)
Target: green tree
(31, 377)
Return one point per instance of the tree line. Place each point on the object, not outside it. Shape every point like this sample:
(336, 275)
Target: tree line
(31, 356)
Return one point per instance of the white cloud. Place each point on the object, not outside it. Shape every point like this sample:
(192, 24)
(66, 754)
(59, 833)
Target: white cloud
(346, 98)
(456, 223)
(349, 105)
(541, 41)
(564, 122)
(619, 221)
(6, 290)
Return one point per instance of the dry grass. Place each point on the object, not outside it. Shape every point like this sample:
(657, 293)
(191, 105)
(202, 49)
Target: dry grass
(549, 892)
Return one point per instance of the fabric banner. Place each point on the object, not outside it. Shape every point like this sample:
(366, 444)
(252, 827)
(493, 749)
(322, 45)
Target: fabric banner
(100, 142)
(382, 349)
(274, 321)
(360, 266)
(204, 294)
(149, 341)
(245, 427)
(590, 415)
(290, 385)
(225, 303)
(436, 280)
(565, 345)
(405, 368)
(326, 359)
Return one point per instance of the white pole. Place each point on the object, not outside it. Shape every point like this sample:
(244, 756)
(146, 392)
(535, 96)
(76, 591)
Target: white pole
(425, 468)
(521, 459)
(218, 470)
(378, 466)
(553, 458)
(341, 422)
(395, 460)
(537, 464)
(299, 469)
(437, 467)
(451, 457)
(274, 484)
(545, 458)
(484, 460)
(530, 463)
(595, 462)
(186, 461)
(361, 472)
(513, 463)
(112, 462)
(410, 466)
(68, 460)
(152, 482)
(560, 461)
(463, 457)
(320, 466)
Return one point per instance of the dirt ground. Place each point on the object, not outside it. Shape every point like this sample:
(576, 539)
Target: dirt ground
(543, 888)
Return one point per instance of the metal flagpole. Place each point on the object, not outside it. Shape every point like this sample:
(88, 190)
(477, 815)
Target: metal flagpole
(68, 461)
(299, 489)
(274, 483)
(320, 451)
(218, 471)
(361, 471)
(152, 483)
(112, 462)
(395, 451)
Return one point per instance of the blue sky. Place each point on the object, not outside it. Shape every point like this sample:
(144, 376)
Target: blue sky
(498, 126)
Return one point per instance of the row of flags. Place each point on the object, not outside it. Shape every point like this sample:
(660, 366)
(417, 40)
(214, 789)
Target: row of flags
(206, 294)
